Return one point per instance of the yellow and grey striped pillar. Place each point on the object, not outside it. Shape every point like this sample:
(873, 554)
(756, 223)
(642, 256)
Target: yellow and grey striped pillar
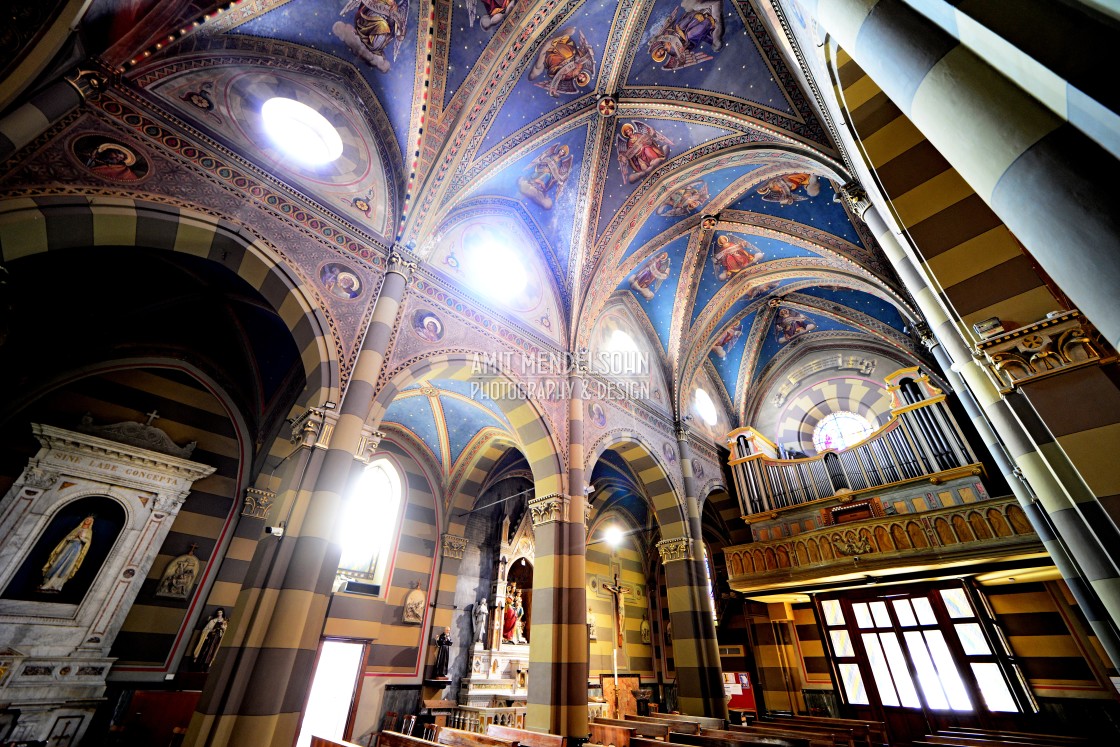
(1005, 439)
(1010, 148)
(258, 691)
(695, 648)
(31, 119)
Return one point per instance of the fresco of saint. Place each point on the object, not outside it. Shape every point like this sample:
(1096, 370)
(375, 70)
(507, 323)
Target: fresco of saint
(733, 255)
(676, 43)
(549, 173)
(641, 149)
(567, 61)
(649, 276)
(493, 12)
(67, 556)
(755, 291)
(376, 23)
(726, 341)
(684, 201)
(783, 189)
(790, 324)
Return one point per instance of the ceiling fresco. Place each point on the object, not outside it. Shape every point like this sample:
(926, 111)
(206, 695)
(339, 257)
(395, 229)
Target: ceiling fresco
(570, 168)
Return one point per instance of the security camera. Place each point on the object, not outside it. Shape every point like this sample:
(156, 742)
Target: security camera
(275, 531)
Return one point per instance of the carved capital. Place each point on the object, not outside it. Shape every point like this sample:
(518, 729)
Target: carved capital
(1061, 342)
(87, 82)
(38, 478)
(856, 199)
(400, 263)
(546, 509)
(675, 549)
(368, 444)
(309, 429)
(258, 503)
(453, 547)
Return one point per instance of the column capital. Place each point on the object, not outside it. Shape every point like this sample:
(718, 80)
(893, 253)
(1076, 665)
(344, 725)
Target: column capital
(311, 428)
(87, 82)
(856, 199)
(258, 503)
(453, 546)
(546, 509)
(1061, 342)
(400, 261)
(368, 444)
(675, 549)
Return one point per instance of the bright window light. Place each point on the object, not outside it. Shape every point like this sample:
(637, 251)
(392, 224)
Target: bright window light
(496, 269)
(840, 430)
(302, 133)
(332, 691)
(705, 407)
(369, 520)
(612, 535)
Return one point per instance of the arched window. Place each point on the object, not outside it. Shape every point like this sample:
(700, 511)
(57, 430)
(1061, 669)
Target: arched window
(369, 524)
(842, 429)
(711, 594)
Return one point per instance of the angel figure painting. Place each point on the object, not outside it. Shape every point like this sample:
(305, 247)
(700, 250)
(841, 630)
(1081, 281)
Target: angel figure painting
(733, 255)
(67, 556)
(493, 12)
(790, 324)
(685, 200)
(676, 43)
(548, 173)
(641, 149)
(648, 278)
(376, 25)
(783, 189)
(723, 344)
(566, 63)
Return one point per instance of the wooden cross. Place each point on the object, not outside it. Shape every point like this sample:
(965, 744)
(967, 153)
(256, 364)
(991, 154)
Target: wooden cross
(153, 415)
(618, 591)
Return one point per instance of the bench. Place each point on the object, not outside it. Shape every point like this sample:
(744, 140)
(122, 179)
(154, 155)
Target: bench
(820, 737)
(610, 734)
(870, 732)
(523, 737)
(741, 740)
(384, 739)
(674, 724)
(1011, 736)
(640, 728)
(989, 740)
(445, 735)
(315, 742)
(706, 722)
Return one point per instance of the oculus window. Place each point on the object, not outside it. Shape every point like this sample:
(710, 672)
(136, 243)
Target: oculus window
(840, 430)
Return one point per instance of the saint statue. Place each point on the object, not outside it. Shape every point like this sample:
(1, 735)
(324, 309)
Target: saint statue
(178, 577)
(509, 621)
(67, 556)
(519, 625)
(481, 613)
(646, 636)
(210, 639)
(443, 655)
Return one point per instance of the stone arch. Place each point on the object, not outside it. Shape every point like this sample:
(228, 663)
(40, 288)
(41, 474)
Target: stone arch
(532, 433)
(470, 480)
(35, 225)
(650, 472)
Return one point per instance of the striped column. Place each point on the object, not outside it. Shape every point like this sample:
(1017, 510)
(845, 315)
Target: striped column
(30, 120)
(1045, 179)
(558, 643)
(1014, 454)
(258, 696)
(695, 648)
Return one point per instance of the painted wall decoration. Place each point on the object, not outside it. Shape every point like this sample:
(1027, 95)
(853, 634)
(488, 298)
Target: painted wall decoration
(565, 64)
(641, 149)
(733, 254)
(679, 39)
(547, 175)
(492, 13)
(597, 414)
(203, 100)
(790, 324)
(684, 201)
(669, 451)
(110, 159)
(427, 325)
(649, 276)
(177, 581)
(726, 341)
(340, 280)
(375, 25)
(784, 189)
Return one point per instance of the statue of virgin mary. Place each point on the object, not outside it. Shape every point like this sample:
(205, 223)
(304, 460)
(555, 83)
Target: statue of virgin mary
(67, 556)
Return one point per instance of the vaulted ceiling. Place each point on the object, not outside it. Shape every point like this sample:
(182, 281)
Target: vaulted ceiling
(656, 157)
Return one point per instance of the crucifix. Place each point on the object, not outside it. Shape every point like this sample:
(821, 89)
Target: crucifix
(153, 415)
(618, 591)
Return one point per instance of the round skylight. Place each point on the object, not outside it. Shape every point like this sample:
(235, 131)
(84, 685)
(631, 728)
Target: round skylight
(705, 407)
(496, 269)
(842, 429)
(302, 133)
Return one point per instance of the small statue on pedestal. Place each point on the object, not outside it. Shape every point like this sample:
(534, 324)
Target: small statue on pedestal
(481, 613)
(443, 655)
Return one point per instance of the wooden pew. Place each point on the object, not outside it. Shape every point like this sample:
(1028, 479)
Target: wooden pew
(869, 732)
(644, 729)
(388, 739)
(743, 740)
(675, 724)
(989, 740)
(458, 738)
(1012, 736)
(523, 737)
(706, 722)
(610, 734)
(833, 737)
(321, 742)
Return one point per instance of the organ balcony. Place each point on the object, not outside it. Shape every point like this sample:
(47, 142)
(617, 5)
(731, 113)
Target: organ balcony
(911, 497)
